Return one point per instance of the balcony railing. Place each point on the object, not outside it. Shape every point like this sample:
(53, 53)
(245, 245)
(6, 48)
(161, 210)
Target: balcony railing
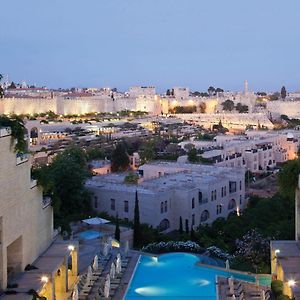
(46, 202)
(21, 158)
(5, 131)
(33, 183)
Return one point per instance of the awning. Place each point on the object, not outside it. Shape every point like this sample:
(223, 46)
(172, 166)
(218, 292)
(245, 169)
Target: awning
(96, 221)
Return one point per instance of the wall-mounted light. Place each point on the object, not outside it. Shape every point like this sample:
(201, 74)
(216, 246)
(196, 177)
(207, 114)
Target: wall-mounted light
(44, 279)
(71, 247)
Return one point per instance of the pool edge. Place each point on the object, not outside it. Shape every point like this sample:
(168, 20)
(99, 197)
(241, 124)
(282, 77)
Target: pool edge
(129, 283)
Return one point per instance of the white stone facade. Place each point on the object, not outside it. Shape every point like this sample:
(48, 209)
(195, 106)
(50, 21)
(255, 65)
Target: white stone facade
(26, 219)
(167, 191)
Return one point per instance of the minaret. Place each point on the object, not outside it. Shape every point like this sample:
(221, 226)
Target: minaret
(246, 87)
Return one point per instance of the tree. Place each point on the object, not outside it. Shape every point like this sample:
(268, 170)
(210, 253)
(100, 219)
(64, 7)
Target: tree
(64, 181)
(18, 131)
(187, 226)
(1, 89)
(228, 105)
(283, 92)
(136, 223)
(202, 107)
(288, 178)
(211, 90)
(192, 155)
(242, 108)
(254, 248)
(117, 229)
(180, 225)
(12, 85)
(192, 236)
(119, 158)
(219, 90)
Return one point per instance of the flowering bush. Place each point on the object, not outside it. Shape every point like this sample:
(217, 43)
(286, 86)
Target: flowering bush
(173, 246)
(218, 253)
(253, 247)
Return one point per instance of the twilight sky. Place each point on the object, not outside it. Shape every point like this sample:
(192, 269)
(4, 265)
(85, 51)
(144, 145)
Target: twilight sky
(165, 43)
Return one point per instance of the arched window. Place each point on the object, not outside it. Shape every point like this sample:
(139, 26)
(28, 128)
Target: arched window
(164, 225)
(231, 204)
(34, 133)
(204, 216)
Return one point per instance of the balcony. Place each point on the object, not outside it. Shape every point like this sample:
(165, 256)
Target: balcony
(22, 158)
(33, 183)
(5, 131)
(46, 202)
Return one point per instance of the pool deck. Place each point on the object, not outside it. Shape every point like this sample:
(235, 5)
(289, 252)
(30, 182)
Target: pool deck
(126, 278)
(240, 289)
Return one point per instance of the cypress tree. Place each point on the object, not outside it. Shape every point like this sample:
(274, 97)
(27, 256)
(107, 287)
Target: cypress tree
(193, 238)
(187, 226)
(180, 225)
(136, 222)
(117, 230)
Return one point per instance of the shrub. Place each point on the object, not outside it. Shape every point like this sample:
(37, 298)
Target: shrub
(173, 246)
(277, 287)
(283, 297)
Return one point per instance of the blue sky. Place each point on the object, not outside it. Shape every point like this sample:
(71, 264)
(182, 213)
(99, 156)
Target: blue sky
(165, 43)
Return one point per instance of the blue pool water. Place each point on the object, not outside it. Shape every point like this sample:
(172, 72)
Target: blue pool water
(90, 234)
(176, 276)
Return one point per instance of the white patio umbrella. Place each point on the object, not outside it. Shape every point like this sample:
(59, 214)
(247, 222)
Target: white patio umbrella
(126, 247)
(231, 285)
(227, 265)
(89, 275)
(112, 271)
(105, 249)
(75, 293)
(95, 221)
(95, 263)
(118, 264)
(106, 286)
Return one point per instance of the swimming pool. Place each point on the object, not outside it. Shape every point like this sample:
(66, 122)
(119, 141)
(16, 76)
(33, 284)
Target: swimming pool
(90, 234)
(176, 276)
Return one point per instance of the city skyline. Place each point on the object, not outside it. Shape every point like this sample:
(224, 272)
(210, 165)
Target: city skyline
(120, 44)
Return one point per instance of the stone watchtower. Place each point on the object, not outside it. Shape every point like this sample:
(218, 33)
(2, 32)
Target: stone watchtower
(297, 211)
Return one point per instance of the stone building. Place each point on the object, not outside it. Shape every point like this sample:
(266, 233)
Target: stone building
(167, 191)
(26, 219)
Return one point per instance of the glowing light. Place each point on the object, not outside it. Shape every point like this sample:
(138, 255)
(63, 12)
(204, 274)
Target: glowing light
(238, 211)
(201, 282)
(155, 258)
(71, 247)
(291, 282)
(150, 291)
(277, 251)
(44, 279)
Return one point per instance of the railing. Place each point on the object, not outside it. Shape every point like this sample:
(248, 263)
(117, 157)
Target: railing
(5, 131)
(46, 202)
(33, 183)
(21, 158)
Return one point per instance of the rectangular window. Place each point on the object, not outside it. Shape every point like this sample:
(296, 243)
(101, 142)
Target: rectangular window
(240, 185)
(166, 206)
(232, 187)
(212, 196)
(193, 219)
(126, 206)
(225, 191)
(193, 203)
(161, 207)
(112, 204)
